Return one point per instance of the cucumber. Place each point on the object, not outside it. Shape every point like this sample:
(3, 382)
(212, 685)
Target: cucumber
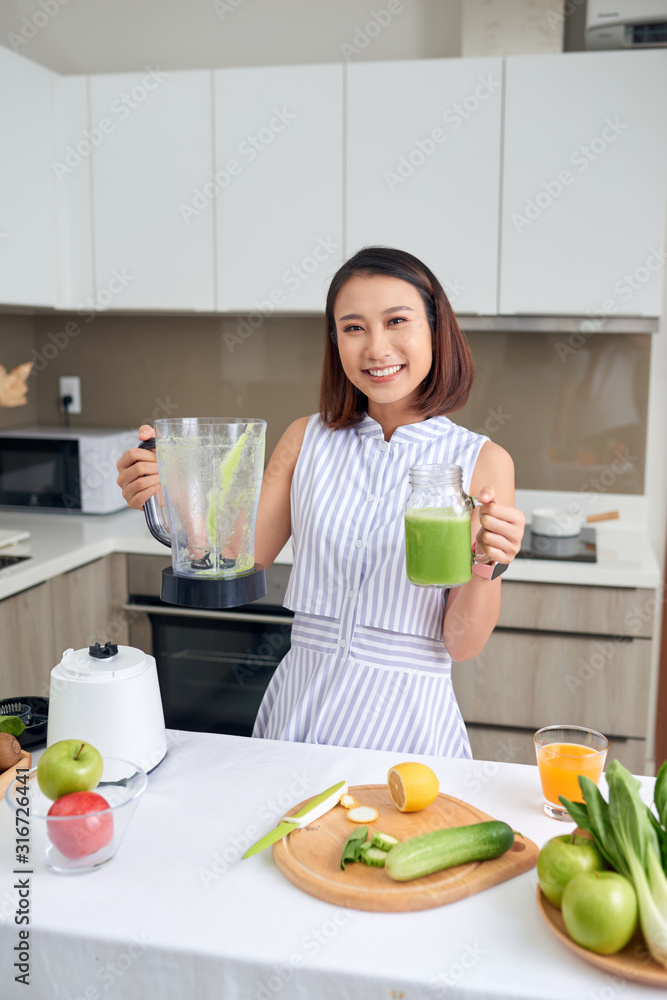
(373, 856)
(383, 840)
(439, 849)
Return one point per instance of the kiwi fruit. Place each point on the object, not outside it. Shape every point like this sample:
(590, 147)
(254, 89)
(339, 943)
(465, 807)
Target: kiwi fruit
(10, 751)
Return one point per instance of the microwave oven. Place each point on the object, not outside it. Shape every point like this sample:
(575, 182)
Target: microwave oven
(59, 469)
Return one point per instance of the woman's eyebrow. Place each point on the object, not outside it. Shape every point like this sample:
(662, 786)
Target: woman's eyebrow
(385, 312)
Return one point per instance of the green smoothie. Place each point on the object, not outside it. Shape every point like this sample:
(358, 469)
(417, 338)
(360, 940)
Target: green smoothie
(437, 547)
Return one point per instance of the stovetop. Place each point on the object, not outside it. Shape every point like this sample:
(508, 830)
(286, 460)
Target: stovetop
(581, 548)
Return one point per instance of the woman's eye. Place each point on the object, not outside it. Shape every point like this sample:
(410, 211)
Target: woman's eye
(351, 328)
(397, 319)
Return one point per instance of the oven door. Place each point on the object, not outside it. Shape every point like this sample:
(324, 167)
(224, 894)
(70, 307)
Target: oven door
(213, 666)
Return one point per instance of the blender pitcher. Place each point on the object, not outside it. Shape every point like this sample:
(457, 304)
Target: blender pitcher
(210, 476)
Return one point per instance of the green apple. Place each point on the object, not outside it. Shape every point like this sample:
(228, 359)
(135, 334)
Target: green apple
(561, 859)
(600, 911)
(69, 766)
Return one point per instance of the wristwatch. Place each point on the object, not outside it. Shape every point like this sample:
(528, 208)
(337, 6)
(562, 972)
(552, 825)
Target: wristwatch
(487, 570)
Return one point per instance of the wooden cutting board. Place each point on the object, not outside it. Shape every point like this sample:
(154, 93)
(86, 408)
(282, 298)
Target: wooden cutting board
(310, 857)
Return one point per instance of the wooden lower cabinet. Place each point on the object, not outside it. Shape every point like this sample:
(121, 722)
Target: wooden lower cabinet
(563, 654)
(74, 609)
(26, 643)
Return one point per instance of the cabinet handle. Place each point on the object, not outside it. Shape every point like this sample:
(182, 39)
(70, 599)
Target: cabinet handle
(227, 616)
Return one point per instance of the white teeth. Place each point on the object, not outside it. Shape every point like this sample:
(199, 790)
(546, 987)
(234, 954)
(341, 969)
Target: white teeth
(379, 372)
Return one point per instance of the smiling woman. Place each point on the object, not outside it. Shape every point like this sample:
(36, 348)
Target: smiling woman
(370, 658)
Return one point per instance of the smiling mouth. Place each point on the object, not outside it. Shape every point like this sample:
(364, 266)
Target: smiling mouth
(383, 374)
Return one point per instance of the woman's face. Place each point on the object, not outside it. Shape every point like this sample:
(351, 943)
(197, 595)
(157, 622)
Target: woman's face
(384, 339)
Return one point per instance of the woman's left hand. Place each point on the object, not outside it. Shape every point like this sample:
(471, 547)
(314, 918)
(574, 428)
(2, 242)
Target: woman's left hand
(501, 528)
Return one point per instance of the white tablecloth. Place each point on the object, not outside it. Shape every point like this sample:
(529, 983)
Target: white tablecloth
(177, 916)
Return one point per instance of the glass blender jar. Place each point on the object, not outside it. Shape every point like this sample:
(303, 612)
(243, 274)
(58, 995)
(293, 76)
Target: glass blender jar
(210, 473)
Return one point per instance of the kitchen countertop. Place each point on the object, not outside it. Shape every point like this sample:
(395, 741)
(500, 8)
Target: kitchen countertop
(62, 542)
(177, 913)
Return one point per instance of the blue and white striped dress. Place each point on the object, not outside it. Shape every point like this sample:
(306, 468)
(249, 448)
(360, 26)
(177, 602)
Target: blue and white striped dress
(367, 665)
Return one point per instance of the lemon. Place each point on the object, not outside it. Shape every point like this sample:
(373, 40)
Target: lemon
(412, 786)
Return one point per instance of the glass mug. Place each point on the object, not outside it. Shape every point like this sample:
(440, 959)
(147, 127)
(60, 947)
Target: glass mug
(438, 551)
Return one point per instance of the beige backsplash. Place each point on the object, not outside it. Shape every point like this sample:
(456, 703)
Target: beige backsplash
(565, 415)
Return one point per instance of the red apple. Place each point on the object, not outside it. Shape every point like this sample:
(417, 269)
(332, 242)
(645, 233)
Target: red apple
(86, 831)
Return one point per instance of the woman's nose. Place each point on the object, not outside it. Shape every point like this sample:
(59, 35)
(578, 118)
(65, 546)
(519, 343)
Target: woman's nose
(380, 343)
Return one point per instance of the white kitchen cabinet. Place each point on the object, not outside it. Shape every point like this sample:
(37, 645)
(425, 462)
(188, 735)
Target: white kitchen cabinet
(154, 149)
(72, 172)
(27, 206)
(278, 191)
(423, 168)
(584, 184)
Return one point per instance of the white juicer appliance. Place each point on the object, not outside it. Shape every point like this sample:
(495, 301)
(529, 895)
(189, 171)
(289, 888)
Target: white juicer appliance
(109, 696)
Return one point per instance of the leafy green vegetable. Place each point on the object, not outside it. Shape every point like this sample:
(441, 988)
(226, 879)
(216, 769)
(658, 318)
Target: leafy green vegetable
(626, 833)
(11, 724)
(353, 845)
(660, 794)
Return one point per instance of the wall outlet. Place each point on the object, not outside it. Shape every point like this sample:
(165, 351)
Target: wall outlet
(70, 386)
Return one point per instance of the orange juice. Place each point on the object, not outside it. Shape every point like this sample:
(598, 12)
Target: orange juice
(560, 764)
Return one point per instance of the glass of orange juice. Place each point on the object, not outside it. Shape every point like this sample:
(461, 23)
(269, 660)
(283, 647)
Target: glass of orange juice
(563, 753)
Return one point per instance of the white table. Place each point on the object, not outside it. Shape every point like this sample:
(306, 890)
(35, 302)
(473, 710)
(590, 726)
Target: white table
(177, 916)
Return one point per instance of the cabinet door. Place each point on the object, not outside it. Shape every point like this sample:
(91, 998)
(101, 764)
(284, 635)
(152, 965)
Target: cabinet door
(27, 208)
(72, 170)
(532, 679)
(154, 150)
(278, 187)
(583, 205)
(423, 168)
(26, 627)
(87, 604)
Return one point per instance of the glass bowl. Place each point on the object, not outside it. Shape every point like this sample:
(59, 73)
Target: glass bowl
(80, 843)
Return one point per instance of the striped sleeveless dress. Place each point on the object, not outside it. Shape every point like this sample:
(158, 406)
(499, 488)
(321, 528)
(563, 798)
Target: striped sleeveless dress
(367, 665)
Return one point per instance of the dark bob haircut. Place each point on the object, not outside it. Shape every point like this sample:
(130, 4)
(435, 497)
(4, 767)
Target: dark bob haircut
(447, 384)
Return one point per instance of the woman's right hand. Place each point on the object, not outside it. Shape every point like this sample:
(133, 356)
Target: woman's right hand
(137, 472)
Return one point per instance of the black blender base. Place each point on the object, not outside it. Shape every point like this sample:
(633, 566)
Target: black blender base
(213, 593)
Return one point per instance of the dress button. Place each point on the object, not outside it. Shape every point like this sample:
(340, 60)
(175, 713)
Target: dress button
(358, 543)
(352, 594)
(370, 498)
(342, 643)
(383, 445)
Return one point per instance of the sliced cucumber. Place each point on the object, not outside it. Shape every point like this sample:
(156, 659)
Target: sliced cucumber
(383, 840)
(373, 856)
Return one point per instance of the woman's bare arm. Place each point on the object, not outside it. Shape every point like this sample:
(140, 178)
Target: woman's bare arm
(274, 522)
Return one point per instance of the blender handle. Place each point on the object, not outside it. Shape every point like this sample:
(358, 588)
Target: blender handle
(152, 509)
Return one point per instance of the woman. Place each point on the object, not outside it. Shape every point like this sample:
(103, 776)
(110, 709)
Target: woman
(370, 661)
